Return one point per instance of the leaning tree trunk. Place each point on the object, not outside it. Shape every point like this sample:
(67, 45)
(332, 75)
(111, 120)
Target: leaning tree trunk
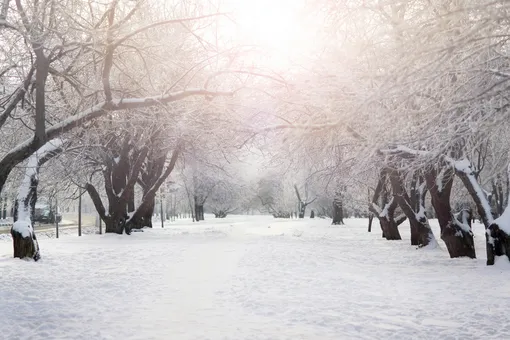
(384, 209)
(143, 218)
(497, 234)
(143, 214)
(24, 241)
(389, 227)
(457, 236)
(115, 220)
(147, 215)
(23, 236)
(413, 207)
(459, 241)
(338, 211)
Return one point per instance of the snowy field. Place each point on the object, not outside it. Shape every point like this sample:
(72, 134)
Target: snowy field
(251, 278)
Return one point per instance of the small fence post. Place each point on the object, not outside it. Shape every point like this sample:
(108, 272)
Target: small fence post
(79, 215)
(56, 216)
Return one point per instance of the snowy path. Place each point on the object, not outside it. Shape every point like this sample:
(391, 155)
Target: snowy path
(239, 279)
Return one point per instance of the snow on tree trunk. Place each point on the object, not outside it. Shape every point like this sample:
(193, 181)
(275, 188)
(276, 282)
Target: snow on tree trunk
(384, 207)
(23, 236)
(497, 231)
(144, 216)
(390, 228)
(457, 236)
(414, 208)
(498, 237)
(386, 216)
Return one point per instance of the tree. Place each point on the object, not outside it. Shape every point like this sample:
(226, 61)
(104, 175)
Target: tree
(226, 197)
(384, 206)
(59, 71)
(23, 236)
(275, 197)
(338, 209)
(125, 159)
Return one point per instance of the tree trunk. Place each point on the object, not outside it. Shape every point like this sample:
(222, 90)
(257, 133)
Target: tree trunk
(459, 241)
(25, 246)
(23, 236)
(131, 202)
(199, 212)
(302, 210)
(413, 207)
(109, 226)
(384, 207)
(497, 241)
(338, 211)
(390, 229)
(117, 225)
(144, 219)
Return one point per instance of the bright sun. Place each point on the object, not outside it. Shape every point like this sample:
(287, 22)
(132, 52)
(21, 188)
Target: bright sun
(277, 26)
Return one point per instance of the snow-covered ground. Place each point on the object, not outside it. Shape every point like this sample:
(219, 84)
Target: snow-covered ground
(251, 278)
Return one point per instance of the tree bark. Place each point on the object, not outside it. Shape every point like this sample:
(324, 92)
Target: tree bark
(497, 241)
(23, 236)
(338, 211)
(302, 210)
(144, 217)
(25, 246)
(458, 239)
(386, 215)
(413, 207)
(389, 227)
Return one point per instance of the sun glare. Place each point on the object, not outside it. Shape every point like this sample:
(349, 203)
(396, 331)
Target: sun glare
(275, 25)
